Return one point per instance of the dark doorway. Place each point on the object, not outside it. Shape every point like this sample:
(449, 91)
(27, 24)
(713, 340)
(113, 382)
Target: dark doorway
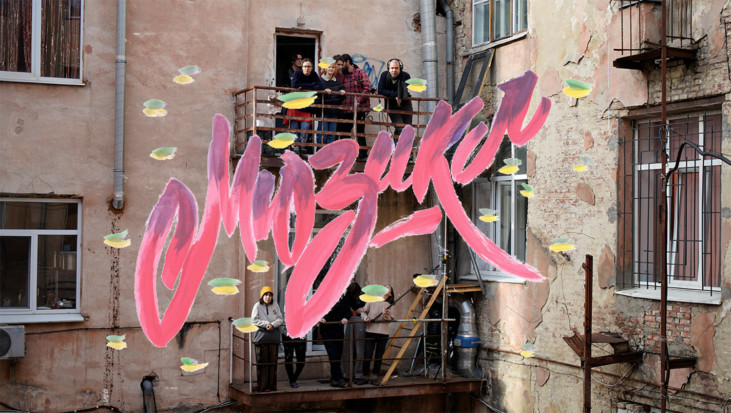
(288, 46)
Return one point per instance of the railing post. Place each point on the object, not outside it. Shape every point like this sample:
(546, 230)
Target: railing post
(352, 353)
(354, 130)
(231, 355)
(254, 111)
(251, 383)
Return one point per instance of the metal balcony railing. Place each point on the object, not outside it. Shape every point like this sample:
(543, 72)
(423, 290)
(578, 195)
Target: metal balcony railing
(243, 363)
(259, 112)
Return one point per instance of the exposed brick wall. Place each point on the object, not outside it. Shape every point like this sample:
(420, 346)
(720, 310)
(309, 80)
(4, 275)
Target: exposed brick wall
(678, 326)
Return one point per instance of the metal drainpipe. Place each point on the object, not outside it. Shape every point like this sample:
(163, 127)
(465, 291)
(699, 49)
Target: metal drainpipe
(467, 342)
(450, 49)
(120, 63)
(429, 49)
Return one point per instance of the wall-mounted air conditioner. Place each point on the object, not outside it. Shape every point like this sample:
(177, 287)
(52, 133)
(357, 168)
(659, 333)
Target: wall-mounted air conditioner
(12, 342)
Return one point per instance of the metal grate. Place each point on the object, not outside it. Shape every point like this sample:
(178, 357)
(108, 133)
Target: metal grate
(693, 199)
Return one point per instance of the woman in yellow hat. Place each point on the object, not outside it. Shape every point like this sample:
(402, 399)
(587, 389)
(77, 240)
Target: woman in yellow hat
(268, 317)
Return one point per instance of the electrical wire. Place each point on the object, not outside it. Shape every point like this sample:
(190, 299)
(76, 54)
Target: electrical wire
(479, 399)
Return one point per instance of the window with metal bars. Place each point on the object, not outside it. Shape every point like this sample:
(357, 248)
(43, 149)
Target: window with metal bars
(693, 195)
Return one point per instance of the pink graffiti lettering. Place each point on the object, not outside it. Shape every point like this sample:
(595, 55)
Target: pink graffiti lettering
(252, 204)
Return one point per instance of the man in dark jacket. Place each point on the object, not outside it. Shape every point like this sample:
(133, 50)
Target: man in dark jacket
(393, 84)
(331, 328)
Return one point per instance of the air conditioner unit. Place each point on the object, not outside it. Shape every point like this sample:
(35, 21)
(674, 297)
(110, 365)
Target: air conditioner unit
(12, 342)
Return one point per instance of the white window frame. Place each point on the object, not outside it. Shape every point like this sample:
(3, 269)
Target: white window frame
(35, 73)
(34, 314)
(515, 29)
(678, 289)
(496, 181)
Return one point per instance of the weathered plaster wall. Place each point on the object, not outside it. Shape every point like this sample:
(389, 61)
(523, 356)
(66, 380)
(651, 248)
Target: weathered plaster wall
(59, 140)
(576, 40)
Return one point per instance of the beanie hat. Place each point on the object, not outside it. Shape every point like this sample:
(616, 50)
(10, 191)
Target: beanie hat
(265, 289)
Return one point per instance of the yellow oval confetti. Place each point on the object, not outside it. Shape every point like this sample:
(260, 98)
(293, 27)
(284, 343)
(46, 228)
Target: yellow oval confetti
(580, 168)
(247, 328)
(117, 345)
(256, 267)
(226, 290)
(417, 88)
(323, 64)
(118, 243)
(561, 246)
(299, 103)
(193, 367)
(489, 218)
(425, 281)
(367, 298)
(527, 194)
(508, 169)
(575, 92)
(282, 140)
(154, 112)
(527, 353)
(378, 108)
(183, 79)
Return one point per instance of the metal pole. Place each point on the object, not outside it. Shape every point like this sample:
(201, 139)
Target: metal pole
(664, 374)
(251, 384)
(588, 267)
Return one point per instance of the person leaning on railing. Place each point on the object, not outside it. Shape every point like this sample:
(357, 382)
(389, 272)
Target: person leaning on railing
(392, 83)
(266, 315)
(331, 328)
(334, 97)
(376, 334)
(305, 79)
(356, 81)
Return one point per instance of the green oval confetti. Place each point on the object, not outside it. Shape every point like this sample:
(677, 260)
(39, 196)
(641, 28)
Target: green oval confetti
(189, 70)
(222, 282)
(577, 84)
(375, 289)
(296, 95)
(155, 104)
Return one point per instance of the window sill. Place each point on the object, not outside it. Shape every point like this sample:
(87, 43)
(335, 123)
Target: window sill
(42, 80)
(41, 318)
(486, 46)
(493, 278)
(675, 295)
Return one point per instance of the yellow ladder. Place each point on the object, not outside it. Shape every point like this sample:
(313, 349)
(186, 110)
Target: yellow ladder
(414, 328)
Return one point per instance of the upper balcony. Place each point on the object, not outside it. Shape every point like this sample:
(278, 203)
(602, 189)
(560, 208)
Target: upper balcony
(641, 36)
(259, 112)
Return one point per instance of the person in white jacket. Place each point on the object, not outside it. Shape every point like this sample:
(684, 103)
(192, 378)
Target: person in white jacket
(266, 315)
(376, 334)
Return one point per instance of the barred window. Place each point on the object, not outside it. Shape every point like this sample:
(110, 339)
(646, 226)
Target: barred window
(693, 242)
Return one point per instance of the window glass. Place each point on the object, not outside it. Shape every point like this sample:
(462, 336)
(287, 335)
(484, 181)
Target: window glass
(56, 271)
(38, 215)
(481, 22)
(16, 17)
(60, 37)
(14, 271)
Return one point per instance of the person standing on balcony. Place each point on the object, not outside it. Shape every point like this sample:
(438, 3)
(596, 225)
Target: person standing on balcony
(268, 317)
(392, 84)
(305, 79)
(356, 81)
(334, 97)
(292, 347)
(331, 328)
(376, 334)
(355, 330)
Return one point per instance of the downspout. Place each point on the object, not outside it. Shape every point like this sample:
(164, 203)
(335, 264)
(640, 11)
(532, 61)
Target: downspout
(450, 50)
(467, 342)
(120, 63)
(429, 49)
